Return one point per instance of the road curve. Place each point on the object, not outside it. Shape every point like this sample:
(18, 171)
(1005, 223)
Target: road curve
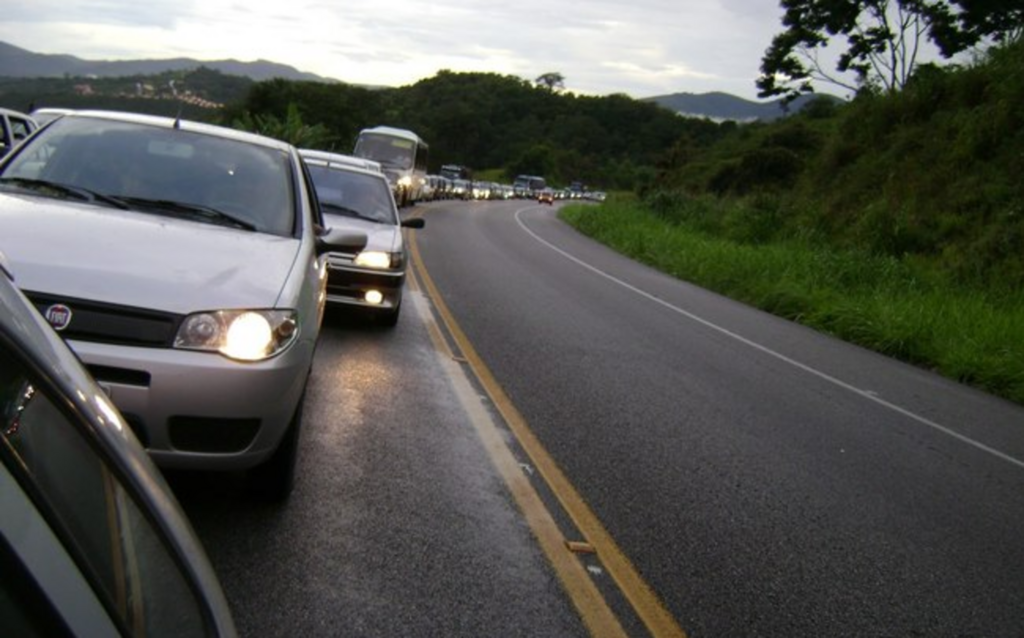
(765, 479)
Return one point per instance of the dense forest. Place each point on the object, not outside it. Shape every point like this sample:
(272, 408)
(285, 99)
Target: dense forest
(493, 122)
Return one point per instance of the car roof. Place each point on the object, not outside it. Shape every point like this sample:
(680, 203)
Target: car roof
(395, 132)
(51, 110)
(340, 160)
(347, 166)
(185, 125)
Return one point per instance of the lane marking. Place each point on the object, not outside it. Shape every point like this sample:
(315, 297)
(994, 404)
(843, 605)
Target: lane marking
(594, 610)
(867, 394)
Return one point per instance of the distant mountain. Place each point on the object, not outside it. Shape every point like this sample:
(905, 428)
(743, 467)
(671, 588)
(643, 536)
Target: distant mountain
(724, 106)
(17, 62)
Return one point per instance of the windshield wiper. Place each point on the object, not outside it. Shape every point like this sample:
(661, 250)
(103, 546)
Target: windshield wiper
(205, 213)
(77, 192)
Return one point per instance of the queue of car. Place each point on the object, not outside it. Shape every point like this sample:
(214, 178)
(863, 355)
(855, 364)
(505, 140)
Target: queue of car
(183, 263)
(162, 287)
(186, 268)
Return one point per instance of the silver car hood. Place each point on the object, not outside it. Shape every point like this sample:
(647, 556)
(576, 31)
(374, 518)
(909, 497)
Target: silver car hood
(139, 259)
(386, 237)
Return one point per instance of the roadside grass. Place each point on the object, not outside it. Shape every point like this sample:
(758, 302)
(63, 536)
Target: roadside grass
(898, 308)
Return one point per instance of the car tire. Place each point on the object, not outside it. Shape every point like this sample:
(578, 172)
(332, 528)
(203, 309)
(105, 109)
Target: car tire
(274, 479)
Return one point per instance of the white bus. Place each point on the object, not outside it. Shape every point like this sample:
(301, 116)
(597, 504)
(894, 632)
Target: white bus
(403, 155)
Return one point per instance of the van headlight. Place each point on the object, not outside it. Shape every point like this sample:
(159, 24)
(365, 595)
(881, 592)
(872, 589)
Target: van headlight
(245, 335)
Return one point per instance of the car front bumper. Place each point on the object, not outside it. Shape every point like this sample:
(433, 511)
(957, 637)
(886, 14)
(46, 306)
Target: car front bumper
(200, 410)
(349, 284)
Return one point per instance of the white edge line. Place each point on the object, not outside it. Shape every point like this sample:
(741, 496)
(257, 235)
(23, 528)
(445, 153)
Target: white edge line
(818, 373)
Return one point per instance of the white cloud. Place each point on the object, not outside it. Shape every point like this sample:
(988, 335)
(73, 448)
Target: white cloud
(639, 47)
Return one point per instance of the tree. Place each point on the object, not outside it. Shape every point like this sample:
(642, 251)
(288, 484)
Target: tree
(291, 129)
(967, 22)
(884, 39)
(551, 81)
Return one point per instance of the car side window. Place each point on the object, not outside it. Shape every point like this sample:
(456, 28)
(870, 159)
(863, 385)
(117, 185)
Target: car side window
(20, 128)
(115, 546)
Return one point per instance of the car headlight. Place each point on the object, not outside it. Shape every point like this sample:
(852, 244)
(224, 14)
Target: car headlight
(376, 259)
(405, 181)
(245, 335)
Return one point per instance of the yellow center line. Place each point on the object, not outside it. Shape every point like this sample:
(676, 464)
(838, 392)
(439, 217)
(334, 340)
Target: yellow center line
(596, 615)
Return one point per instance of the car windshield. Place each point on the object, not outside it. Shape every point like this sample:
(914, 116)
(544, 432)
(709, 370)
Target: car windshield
(353, 194)
(164, 171)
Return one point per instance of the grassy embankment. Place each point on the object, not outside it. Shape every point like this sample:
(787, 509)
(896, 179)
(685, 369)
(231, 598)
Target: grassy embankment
(894, 222)
(877, 302)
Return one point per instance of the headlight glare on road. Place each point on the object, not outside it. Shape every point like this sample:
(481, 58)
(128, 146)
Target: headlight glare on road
(374, 259)
(244, 335)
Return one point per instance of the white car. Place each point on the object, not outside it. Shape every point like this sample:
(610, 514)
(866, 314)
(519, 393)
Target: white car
(359, 199)
(184, 264)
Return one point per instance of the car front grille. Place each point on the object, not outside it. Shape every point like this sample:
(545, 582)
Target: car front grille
(110, 323)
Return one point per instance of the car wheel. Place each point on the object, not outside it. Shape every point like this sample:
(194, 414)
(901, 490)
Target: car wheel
(274, 479)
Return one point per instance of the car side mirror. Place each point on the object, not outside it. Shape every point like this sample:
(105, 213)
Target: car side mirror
(342, 241)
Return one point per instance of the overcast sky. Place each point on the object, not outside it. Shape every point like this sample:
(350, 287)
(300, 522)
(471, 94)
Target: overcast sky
(639, 47)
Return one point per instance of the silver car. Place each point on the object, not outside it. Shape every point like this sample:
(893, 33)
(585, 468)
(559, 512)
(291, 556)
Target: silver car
(358, 198)
(184, 265)
(92, 541)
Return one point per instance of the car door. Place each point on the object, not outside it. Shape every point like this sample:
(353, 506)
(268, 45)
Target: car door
(80, 552)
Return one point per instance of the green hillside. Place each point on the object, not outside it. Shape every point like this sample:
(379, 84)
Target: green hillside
(895, 221)
(489, 121)
(930, 173)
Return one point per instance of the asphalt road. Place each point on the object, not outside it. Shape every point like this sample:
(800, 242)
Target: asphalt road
(763, 479)
(398, 525)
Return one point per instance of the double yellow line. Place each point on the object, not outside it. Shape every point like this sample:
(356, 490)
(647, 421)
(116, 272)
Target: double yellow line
(594, 610)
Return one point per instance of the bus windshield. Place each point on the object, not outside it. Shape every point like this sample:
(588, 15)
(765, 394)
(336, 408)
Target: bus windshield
(390, 151)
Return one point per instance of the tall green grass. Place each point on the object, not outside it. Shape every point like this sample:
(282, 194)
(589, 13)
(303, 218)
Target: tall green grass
(896, 307)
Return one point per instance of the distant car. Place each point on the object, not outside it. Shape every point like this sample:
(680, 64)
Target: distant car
(185, 264)
(92, 541)
(15, 127)
(360, 200)
(462, 189)
(546, 196)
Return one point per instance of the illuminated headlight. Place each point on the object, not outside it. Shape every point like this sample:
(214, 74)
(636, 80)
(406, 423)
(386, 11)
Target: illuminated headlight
(376, 259)
(373, 297)
(405, 181)
(246, 335)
